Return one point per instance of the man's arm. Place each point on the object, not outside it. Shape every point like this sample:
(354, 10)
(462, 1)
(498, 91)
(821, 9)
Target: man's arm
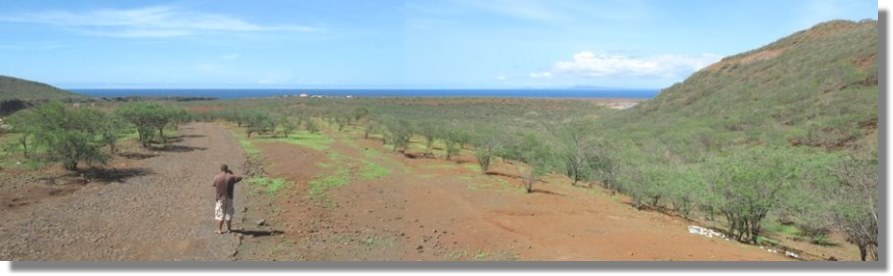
(237, 179)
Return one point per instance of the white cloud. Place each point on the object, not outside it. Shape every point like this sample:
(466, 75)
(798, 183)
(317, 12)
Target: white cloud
(540, 75)
(501, 78)
(148, 22)
(588, 64)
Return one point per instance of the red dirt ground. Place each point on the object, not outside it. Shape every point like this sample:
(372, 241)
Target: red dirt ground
(432, 209)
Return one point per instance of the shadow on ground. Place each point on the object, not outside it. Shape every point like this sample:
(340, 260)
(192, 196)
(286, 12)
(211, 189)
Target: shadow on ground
(113, 175)
(137, 155)
(258, 233)
(179, 148)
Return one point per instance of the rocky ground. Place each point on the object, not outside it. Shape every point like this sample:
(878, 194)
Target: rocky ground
(160, 208)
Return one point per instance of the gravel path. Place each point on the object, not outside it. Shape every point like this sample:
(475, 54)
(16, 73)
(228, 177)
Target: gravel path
(166, 214)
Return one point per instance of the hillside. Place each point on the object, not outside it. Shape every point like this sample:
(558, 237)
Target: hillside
(15, 88)
(817, 87)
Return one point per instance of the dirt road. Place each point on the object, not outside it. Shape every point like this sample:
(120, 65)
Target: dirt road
(161, 209)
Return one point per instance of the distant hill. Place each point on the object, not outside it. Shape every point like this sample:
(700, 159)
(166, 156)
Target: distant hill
(817, 87)
(15, 88)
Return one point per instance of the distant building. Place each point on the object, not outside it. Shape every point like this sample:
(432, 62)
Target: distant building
(303, 95)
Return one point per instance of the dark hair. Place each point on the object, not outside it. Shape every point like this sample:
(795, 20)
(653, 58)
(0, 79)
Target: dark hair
(224, 168)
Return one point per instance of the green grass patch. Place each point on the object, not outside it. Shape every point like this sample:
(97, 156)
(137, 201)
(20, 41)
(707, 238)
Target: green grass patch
(773, 226)
(270, 185)
(372, 171)
(248, 147)
(473, 167)
(371, 153)
(321, 185)
(247, 144)
(767, 241)
(308, 140)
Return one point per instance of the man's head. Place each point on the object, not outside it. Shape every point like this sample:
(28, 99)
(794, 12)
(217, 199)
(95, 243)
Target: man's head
(224, 168)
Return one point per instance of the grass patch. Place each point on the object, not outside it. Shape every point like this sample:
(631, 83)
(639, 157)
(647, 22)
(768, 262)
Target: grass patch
(271, 185)
(372, 171)
(309, 140)
(245, 143)
(249, 148)
(767, 241)
(371, 153)
(773, 226)
(321, 185)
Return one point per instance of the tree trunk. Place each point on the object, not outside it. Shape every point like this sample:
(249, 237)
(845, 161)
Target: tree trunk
(528, 180)
(70, 165)
(863, 251)
(24, 141)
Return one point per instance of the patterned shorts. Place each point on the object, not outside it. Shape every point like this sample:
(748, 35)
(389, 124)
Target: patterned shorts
(224, 210)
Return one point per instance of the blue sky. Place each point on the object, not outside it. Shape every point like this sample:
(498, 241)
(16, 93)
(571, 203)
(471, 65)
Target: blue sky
(391, 44)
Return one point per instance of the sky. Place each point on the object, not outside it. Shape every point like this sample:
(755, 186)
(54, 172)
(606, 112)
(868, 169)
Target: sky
(383, 44)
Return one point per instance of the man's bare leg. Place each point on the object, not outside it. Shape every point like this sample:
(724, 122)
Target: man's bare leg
(220, 227)
(229, 225)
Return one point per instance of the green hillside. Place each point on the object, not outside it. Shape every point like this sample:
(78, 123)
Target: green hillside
(15, 88)
(781, 136)
(817, 88)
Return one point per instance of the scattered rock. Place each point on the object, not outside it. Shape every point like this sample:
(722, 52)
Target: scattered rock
(261, 222)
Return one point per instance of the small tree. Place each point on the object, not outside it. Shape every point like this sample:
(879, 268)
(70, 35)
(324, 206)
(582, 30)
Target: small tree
(371, 127)
(110, 130)
(400, 133)
(359, 113)
(287, 125)
(856, 209)
(430, 132)
(149, 117)
(486, 146)
(752, 182)
(311, 126)
(452, 139)
(259, 122)
(531, 149)
(23, 122)
(70, 136)
(574, 151)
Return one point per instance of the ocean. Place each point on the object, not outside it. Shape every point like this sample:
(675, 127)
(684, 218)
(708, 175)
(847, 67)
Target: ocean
(488, 93)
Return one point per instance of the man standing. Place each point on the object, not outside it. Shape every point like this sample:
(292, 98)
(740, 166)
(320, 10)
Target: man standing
(223, 210)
